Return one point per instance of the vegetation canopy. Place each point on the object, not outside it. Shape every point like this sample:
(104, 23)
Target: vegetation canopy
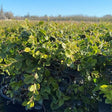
(63, 66)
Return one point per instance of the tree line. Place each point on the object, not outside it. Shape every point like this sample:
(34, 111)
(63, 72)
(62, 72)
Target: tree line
(10, 15)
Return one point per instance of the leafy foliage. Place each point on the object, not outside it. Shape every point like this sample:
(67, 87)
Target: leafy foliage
(61, 63)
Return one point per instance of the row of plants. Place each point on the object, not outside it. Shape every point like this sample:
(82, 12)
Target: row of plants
(60, 67)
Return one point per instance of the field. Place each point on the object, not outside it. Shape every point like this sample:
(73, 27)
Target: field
(56, 66)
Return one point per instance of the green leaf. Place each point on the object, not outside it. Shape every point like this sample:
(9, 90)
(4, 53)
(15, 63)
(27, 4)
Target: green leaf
(41, 23)
(27, 49)
(24, 103)
(47, 73)
(64, 45)
(37, 53)
(58, 94)
(94, 80)
(32, 88)
(36, 76)
(18, 65)
(47, 89)
(61, 102)
(65, 98)
(28, 62)
(28, 79)
(31, 104)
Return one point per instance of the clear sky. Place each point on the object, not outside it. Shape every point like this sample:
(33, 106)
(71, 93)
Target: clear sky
(58, 7)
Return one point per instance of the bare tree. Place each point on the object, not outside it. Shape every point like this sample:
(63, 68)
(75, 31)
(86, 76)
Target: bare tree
(9, 15)
(2, 15)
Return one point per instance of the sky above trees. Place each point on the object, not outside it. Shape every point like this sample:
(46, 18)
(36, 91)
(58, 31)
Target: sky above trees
(58, 7)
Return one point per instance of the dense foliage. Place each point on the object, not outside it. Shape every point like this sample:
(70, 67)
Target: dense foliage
(61, 66)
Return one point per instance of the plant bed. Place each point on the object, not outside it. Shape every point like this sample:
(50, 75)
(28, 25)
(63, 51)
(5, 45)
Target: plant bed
(51, 64)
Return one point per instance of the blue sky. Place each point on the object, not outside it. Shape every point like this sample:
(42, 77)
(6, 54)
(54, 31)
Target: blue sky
(58, 7)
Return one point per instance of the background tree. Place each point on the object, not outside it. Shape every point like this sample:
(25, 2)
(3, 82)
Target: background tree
(2, 15)
(9, 15)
